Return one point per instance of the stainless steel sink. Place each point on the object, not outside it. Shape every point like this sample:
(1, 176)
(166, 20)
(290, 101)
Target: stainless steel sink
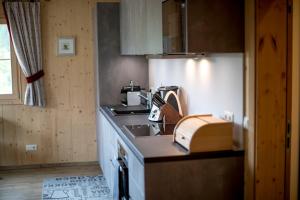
(129, 110)
(155, 129)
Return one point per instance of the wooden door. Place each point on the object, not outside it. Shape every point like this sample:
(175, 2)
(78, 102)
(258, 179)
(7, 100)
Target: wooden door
(271, 98)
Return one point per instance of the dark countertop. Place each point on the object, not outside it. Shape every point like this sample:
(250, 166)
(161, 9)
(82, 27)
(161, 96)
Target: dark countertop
(156, 148)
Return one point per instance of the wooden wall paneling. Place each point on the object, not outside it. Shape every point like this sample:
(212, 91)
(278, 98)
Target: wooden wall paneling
(46, 127)
(9, 135)
(271, 57)
(31, 124)
(22, 134)
(27, 136)
(63, 136)
(82, 111)
(249, 98)
(68, 121)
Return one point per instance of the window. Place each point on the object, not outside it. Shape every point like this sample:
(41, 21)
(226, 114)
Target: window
(5, 62)
(9, 72)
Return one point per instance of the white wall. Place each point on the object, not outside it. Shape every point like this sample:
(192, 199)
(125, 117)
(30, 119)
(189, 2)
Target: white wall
(211, 84)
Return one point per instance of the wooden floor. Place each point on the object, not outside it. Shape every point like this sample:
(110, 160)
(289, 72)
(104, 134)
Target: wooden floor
(26, 184)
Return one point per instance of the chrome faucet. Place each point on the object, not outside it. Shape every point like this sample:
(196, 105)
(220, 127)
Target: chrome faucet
(131, 84)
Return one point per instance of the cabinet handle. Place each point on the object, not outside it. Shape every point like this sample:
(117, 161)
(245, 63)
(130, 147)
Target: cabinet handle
(182, 137)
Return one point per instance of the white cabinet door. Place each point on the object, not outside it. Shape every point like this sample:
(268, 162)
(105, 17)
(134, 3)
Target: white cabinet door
(104, 153)
(112, 154)
(107, 148)
(141, 27)
(136, 176)
(154, 30)
(99, 127)
(108, 140)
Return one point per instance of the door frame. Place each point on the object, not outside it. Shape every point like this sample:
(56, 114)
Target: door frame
(295, 117)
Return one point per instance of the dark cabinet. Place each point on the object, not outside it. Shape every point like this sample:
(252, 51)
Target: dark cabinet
(196, 26)
(215, 26)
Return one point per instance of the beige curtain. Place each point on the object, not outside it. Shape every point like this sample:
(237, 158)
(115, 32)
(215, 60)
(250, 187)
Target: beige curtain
(24, 24)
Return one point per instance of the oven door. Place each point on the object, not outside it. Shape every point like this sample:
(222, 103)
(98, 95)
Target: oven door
(123, 180)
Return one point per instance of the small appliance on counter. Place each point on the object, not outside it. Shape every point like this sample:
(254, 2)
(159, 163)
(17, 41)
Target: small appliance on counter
(171, 99)
(199, 133)
(162, 109)
(130, 94)
(157, 102)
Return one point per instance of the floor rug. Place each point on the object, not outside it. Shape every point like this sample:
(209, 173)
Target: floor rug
(76, 188)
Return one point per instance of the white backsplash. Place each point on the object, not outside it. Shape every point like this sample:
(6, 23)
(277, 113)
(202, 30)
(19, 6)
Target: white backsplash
(211, 84)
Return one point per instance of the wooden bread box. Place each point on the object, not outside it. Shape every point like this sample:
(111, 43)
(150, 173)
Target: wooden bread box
(200, 133)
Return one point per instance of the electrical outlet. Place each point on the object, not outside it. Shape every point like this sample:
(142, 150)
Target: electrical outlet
(31, 147)
(228, 116)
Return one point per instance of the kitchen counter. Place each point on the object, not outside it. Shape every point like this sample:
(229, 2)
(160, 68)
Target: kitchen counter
(153, 162)
(156, 148)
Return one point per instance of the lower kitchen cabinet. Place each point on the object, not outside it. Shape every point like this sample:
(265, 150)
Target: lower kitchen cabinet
(212, 177)
(108, 141)
(107, 148)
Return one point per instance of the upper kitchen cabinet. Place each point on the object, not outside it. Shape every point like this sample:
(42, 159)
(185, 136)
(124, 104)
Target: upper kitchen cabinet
(215, 26)
(141, 27)
(181, 26)
(196, 26)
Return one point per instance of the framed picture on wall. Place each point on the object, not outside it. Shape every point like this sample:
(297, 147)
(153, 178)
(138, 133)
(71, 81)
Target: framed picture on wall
(66, 46)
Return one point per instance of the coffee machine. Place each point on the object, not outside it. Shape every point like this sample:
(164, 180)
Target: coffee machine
(130, 94)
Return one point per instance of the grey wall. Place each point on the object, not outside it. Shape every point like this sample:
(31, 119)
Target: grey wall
(113, 70)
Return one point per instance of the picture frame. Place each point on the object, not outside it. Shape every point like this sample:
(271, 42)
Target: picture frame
(66, 46)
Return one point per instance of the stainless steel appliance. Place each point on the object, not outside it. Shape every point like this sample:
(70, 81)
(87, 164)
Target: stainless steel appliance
(130, 94)
(123, 174)
(157, 102)
(173, 100)
(163, 90)
(166, 94)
